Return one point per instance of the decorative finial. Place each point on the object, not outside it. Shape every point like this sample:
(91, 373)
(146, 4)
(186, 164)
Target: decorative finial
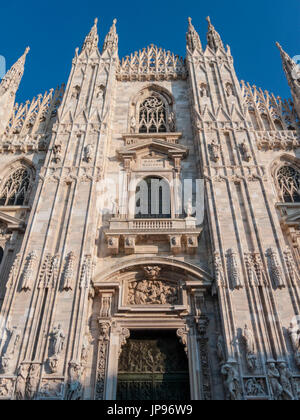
(190, 20)
(96, 21)
(27, 50)
(114, 21)
(208, 20)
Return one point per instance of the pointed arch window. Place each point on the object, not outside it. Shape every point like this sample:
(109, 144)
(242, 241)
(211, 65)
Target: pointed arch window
(16, 187)
(152, 115)
(288, 179)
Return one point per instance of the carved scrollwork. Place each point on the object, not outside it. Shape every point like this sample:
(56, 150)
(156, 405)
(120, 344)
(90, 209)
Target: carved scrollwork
(104, 330)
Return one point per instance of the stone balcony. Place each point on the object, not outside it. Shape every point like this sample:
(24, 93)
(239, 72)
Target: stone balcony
(123, 234)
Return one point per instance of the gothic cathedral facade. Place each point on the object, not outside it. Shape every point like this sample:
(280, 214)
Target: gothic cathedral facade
(102, 298)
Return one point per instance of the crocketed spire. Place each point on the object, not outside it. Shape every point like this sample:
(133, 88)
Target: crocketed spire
(292, 72)
(213, 38)
(11, 81)
(192, 38)
(291, 69)
(91, 41)
(111, 39)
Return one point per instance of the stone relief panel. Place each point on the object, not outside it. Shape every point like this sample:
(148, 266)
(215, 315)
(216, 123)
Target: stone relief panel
(152, 292)
(51, 389)
(6, 388)
(256, 388)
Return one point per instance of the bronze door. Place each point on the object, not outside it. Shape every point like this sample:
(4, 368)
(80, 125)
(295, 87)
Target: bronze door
(153, 366)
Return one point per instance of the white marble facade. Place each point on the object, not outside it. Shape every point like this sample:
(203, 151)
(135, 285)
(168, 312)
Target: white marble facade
(77, 280)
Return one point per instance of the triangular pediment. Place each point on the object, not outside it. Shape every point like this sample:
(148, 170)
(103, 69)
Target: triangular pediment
(155, 145)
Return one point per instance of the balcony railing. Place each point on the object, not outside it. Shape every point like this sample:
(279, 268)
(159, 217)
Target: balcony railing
(152, 225)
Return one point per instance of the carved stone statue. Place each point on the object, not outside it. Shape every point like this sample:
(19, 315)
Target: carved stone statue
(249, 340)
(56, 347)
(74, 388)
(204, 91)
(287, 382)
(133, 125)
(21, 382)
(294, 333)
(88, 153)
(229, 90)
(32, 381)
(58, 339)
(274, 377)
(220, 349)
(189, 208)
(215, 150)
(172, 122)
(231, 382)
(245, 151)
(13, 338)
(57, 150)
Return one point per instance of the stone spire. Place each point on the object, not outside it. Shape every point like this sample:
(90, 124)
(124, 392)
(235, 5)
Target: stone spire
(13, 77)
(213, 38)
(8, 89)
(192, 38)
(292, 72)
(111, 39)
(91, 41)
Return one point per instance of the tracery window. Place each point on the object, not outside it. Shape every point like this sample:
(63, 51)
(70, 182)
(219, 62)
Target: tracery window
(14, 192)
(152, 116)
(288, 179)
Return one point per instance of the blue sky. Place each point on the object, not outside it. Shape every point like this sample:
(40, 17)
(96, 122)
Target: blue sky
(53, 29)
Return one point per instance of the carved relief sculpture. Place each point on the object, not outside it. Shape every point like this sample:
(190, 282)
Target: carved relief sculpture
(148, 292)
(104, 330)
(233, 270)
(275, 269)
(69, 271)
(48, 275)
(6, 388)
(29, 271)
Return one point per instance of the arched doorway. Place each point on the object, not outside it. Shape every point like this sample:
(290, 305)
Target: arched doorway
(153, 366)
